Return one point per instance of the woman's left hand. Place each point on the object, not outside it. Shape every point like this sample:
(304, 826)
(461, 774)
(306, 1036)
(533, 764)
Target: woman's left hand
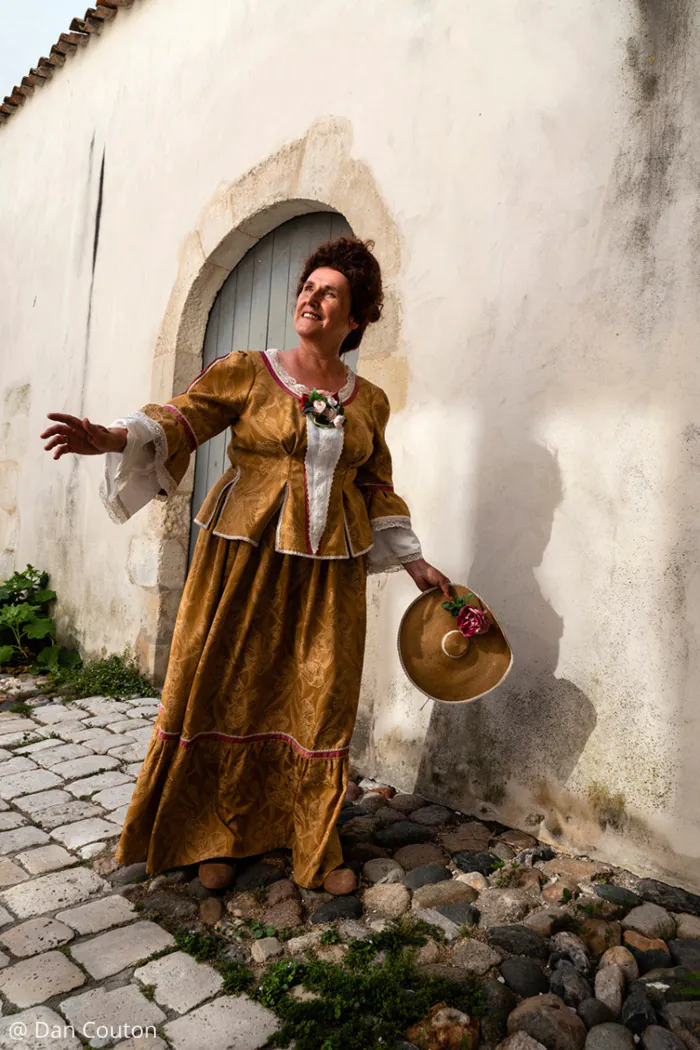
(426, 576)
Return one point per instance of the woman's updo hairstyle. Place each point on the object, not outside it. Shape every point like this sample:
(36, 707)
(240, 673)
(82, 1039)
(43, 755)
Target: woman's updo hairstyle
(353, 258)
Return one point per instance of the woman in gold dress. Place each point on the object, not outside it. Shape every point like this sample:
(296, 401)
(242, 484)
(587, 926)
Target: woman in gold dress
(250, 749)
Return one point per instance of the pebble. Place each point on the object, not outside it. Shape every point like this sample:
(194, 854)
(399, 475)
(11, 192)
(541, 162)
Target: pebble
(338, 908)
(610, 1036)
(426, 875)
(548, 1020)
(354, 931)
(518, 940)
(211, 910)
(566, 945)
(301, 944)
(435, 894)
(410, 857)
(169, 905)
(432, 816)
(669, 897)
(387, 901)
(524, 976)
(637, 1011)
(385, 817)
(471, 836)
(651, 921)
(622, 957)
(502, 851)
(405, 833)
(353, 792)
(657, 1038)
(569, 984)
(468, 860)
(284, 890)
(617, 895)
(499, 1003)
(128, 875)
(610, 988)
(260, 873)
(561, 891)
(406, 803)
(286, 913)
(518, 840)
(340, 882)
(534, 854)
(370, 804)
(685, 953)
(436, 918)
(474, 879)
(649, 954)
(520, 1041)
(503, 906)
(429, 953)
(445, 1027)
(599, 935)
(593, 1012)
(265, 948)
(571, 867)
(475, 956)
(688, 927)
(543, 920)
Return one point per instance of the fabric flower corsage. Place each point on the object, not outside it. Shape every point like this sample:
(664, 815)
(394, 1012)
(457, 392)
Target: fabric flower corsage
(325, 410)
(470, 620)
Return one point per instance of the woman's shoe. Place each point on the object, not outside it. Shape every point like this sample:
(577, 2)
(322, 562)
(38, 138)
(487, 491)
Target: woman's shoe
(217, 874)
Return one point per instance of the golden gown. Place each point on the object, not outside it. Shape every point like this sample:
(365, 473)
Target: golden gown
(250, 749)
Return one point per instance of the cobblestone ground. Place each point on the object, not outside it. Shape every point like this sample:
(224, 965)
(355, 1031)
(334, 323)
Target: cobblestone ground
(573, 954)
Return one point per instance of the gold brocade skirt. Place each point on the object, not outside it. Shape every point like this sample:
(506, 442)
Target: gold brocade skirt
(250, 749)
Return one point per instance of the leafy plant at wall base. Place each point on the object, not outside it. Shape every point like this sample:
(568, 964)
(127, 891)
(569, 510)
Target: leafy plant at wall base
(27, 632)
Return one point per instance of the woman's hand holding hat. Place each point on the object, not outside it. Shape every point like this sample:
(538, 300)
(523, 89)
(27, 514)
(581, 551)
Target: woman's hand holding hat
(427, 576)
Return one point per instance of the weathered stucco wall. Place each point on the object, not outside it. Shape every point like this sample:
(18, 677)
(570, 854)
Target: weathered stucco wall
(534, 184)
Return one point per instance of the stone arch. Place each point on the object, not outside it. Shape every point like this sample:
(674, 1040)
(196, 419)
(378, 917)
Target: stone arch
(312, 173)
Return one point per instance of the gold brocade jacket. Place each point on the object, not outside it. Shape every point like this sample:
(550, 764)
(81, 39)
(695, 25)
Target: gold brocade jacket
(330, 489)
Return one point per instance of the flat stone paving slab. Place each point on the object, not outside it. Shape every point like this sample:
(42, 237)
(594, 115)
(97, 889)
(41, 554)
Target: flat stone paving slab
(44, 1028)
(67, 813)
(85, 767)
(146, 1042)
(21, 764)
(10, 820)
(98, 915)
(101, 740)
(98, 782)
(181, 983)
(120, 1011)
(36, 935)
(47, 893)
(33, 804)
(10, 873)
(84, 831)
(111, 952)
(130, 752)
(114, 797)
(62, 753)
(46, 858)
(232, 1022)
(22, 838)
(32, 981)
(51, 713)
(28, 783)
(9, 739)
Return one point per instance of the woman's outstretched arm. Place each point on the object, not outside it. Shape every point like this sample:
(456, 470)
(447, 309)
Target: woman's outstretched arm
(82, 437)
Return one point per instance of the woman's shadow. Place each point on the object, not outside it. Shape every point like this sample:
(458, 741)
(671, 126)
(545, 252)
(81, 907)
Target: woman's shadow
(510, 752)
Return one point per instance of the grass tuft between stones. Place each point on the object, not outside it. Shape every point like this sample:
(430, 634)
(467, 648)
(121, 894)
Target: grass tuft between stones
(364, 1004)
(116, 676)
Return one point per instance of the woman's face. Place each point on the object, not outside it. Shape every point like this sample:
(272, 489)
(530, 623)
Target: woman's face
(323, 307)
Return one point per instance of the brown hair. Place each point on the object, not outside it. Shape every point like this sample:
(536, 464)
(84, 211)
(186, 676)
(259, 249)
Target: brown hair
(354, 259)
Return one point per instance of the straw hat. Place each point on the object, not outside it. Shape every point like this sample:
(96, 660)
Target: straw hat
(453, 654)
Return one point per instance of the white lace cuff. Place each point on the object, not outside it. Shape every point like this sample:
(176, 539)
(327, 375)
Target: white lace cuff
(395, 544)
(133, 477)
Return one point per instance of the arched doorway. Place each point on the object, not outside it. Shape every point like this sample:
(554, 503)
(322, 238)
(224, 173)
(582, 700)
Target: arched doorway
(254, 311)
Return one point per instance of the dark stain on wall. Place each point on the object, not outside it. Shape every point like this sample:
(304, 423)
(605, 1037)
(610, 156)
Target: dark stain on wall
(657, 67)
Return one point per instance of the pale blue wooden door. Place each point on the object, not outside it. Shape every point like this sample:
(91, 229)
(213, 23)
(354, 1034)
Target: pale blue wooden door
(254, 310)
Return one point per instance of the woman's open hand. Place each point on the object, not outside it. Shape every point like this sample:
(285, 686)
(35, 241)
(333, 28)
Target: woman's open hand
(82, 437)
(426, 576)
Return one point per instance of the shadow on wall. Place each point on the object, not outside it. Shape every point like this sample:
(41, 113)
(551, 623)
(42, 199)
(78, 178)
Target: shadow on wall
(533, 729)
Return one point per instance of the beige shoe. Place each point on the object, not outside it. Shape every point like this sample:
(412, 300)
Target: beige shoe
(217, 874)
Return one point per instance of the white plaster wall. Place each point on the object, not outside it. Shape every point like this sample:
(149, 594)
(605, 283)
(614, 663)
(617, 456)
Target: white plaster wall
(544, 188)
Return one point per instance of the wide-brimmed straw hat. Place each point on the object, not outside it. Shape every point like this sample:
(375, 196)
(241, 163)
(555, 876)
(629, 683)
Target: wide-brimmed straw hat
(455, 653)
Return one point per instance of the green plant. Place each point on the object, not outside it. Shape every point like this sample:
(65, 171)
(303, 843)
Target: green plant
(258, 930)
(117, 675)
(27, 632)
(149, 991)
(496, 865)
(331, 936)
(20, 708)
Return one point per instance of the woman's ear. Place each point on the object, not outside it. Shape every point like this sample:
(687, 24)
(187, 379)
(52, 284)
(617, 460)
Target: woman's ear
(353, 323)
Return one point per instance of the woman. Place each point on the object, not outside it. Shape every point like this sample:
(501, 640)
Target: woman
(250, 749)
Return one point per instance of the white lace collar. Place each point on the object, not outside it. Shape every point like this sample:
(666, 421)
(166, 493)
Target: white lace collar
(283, 376)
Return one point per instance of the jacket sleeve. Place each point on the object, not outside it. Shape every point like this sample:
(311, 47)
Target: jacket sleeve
(161, 438)
(394, 541)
